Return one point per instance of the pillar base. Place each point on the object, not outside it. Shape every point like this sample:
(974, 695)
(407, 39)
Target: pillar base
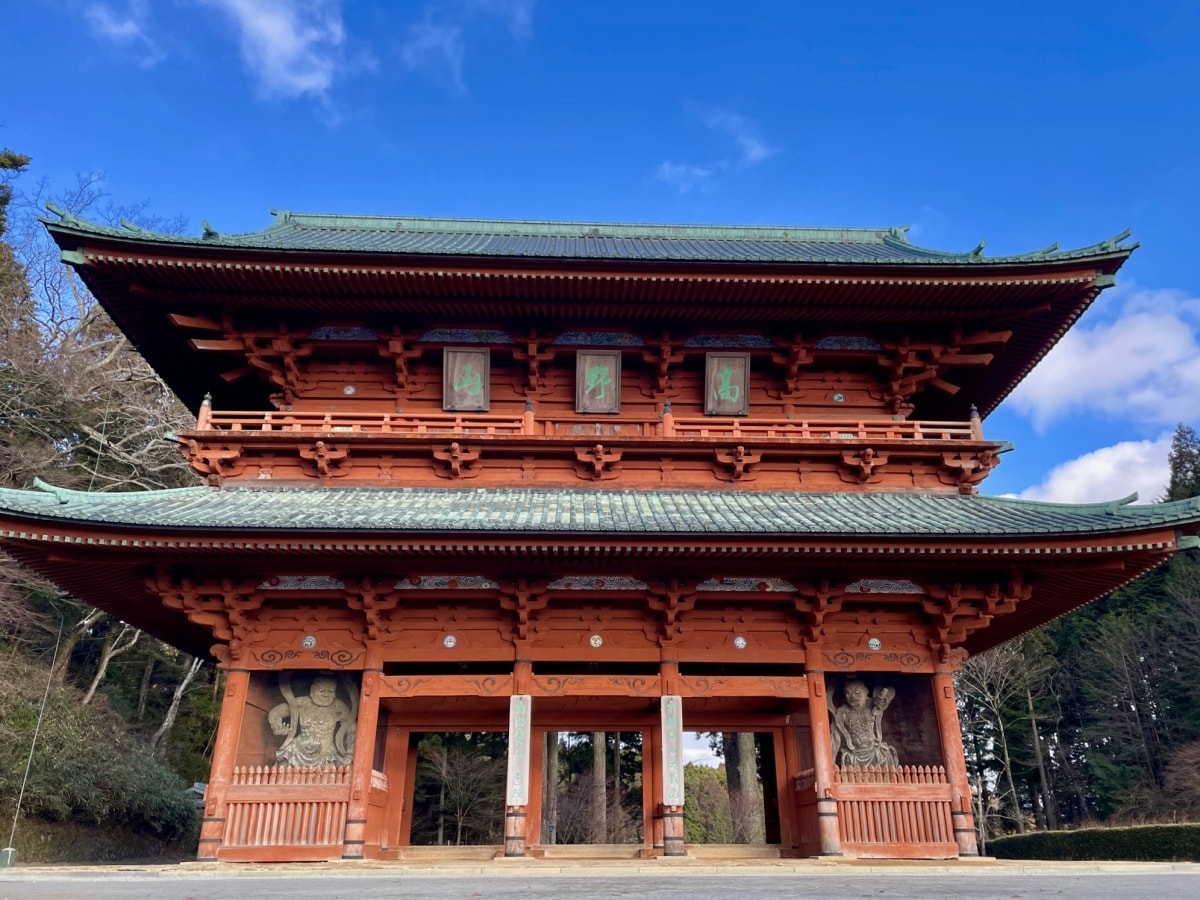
(514, 832)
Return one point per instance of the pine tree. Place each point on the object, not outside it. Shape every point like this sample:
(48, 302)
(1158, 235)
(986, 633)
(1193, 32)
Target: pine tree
(1184, 460)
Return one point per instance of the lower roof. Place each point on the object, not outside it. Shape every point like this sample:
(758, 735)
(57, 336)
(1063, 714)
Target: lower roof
(595, 512)
(102, 546)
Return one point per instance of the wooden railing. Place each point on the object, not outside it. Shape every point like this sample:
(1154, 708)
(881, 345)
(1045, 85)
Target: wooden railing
(887, 810)
(867, 428)
(287, 806)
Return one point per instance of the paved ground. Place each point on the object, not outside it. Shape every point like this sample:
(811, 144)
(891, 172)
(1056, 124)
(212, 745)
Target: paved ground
(654, 880)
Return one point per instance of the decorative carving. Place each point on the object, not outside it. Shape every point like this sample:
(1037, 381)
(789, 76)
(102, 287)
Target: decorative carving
(598, 462)
(858, 727)
(328, 459)
(215, 462)
(884, 586)
(745, 585)
(446, 583)
(597, 583)
(301, 583)
(863, 463)
(317, 730)
(969, 469)
(734, 465)
(460, 461)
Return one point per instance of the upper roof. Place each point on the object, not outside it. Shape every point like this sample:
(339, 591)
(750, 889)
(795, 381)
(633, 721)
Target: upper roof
(586, 241)
(430, 273)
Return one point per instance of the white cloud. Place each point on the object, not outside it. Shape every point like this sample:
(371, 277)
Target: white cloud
(128, 27)
(682, 176)
(1109, 473)
(436, 46)
(293, 47)
(744, 133)
(751, 150)
(519, 14)
(1143, 365)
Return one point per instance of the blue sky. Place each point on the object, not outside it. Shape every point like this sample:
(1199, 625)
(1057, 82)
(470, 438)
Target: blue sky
(1020, 123)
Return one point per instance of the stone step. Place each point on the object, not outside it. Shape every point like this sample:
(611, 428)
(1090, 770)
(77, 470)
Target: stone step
(733, 851)
(589, 851)
(444, 854)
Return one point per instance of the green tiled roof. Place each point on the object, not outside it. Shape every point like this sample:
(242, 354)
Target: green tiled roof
(582, 241)
(662, 513)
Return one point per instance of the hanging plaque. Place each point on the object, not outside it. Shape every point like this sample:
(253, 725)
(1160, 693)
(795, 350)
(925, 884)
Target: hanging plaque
(466, 373)
(727, 384)
(598, 381)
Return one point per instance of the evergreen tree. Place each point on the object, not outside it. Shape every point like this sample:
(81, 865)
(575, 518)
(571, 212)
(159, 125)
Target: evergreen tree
(1184, 460)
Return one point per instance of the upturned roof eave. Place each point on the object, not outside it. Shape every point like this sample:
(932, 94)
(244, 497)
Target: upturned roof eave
(167, 512)
(1105, 255)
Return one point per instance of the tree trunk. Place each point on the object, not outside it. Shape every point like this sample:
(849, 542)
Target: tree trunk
(112, 649)
(173, 709)
(599, 786)
(550, 788)
(741, 777)
(70, 640)
(1018, 817)
(1048, 801)
(144, 687)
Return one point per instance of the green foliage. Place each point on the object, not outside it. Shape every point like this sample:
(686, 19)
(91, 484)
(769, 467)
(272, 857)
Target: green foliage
(1184, 460)
(706, 815)
(86, 767)
(1143, 843)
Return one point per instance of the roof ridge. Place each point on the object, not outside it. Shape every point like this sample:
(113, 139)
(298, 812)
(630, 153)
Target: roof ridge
(584, 228)
(483, 237)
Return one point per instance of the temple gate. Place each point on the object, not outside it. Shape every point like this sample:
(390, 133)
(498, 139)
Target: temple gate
(527, 478)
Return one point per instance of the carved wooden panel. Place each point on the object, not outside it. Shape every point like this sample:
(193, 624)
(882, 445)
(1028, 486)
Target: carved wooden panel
(727, 384)
(446, 686)
(466, 379)
(598, 381)
(596, 686)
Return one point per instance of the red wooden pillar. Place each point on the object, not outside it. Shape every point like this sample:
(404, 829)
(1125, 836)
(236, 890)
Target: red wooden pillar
(408, 793)
(537, 784)
(955, 761)
(823, 766)
(651, 788)
(395, 767)
(229, 730)
(361, 765)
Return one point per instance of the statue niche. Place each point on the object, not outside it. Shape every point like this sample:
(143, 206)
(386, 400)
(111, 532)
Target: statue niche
(317, 730)
(857, 727)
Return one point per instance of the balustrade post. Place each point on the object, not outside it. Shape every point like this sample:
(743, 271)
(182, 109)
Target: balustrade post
(361, 765)
(229, 730)
(823, 766)
(204, 417)
(956, 764)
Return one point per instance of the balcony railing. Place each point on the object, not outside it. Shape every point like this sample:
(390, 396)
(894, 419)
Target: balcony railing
(866, 428)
